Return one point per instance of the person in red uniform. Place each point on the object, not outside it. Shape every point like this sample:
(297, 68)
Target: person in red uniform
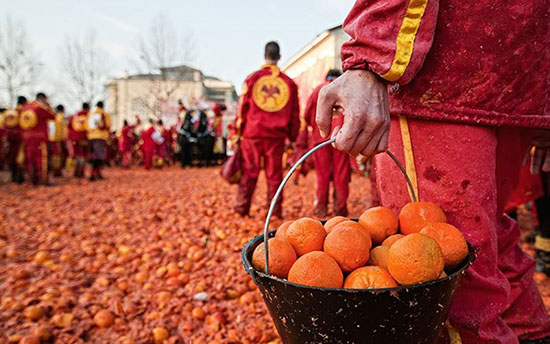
(78, 141)
(464, 111)
(126, 142)
(330, 164)
(14, 141)
(148, 145)
(268, 113)
(34, 124)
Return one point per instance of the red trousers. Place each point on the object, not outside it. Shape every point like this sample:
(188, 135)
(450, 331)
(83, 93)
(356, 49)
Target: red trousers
(331, 164)
(470, 172)
(36, 159)
(148, 154)
(253, 151)
(126, 158)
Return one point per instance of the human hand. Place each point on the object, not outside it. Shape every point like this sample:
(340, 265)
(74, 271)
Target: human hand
(363, 99)
(541, 156)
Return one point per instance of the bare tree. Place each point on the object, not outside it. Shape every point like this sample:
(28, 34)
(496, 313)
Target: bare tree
(84, 62)
(160, 48)
(19, 66)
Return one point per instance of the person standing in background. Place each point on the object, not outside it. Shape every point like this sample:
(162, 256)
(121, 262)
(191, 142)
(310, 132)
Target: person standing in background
(34, 124)
(15, 155)
(78, 140)
(268, 113)
(56, 138)
(98, 124)
(330, 163)
(126, 142)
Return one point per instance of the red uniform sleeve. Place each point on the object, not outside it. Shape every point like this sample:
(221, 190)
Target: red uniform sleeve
(391, 38)
(295, 113)
(242, 108)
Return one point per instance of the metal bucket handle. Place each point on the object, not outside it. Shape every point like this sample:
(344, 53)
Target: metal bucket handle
(285, 180)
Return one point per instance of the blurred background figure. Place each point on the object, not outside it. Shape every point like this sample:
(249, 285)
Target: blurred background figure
(78, 140)
(148, 144)
(98, 124)
(34, 124)
(330, 164)
(14, 140)
(190, 137)
(126, 142)
(57, 137)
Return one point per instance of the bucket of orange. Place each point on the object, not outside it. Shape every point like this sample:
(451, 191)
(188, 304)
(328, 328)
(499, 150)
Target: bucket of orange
(378, 279)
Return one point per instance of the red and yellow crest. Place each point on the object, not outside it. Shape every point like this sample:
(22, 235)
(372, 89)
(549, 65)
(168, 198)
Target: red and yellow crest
(11, 119)
(270, 93)
(28, 120)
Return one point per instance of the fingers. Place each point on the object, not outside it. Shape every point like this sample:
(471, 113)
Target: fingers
(326, 101)
(536, 161)
(348, 135)
(384, 142)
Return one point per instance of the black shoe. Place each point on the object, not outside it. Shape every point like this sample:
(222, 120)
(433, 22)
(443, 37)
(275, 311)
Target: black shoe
(536, 341)
(92, 179)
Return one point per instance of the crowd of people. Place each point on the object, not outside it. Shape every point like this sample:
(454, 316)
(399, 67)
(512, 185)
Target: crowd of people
(37, 140)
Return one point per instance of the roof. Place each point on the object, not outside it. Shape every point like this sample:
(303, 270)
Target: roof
(318, 39)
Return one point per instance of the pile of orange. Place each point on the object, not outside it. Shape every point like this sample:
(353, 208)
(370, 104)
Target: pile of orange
(381, 250)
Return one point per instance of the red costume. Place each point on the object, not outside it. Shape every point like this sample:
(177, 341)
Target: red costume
(484, 63)
(330, 164)
(126, 144)
(268, 114)
(78, 141)
(14, 141)
(34, 124)
(148, 146)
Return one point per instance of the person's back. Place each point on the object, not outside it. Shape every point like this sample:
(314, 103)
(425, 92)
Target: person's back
(268, 114)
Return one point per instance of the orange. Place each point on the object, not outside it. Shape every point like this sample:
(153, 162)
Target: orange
(348, 245)
(330, 224)
(281, 257)
(316, 269)
(452, 242)
(380, 222)
(379, 257)
(415, 216)
(415, 259)
(281, 231)
(392, 239)
(370, 277)
(306, 235)
(355, 225)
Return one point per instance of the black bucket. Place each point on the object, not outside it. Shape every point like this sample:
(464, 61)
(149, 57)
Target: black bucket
(402, 315)
(309, 315)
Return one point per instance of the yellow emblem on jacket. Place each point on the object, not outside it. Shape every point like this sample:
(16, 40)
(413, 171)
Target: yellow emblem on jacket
(28, 120)
(79, 123)
(11, 119)
(270, 93)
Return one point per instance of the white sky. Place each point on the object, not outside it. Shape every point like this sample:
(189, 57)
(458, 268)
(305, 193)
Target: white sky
(229, 35)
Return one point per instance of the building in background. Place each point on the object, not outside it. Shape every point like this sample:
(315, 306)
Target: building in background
(310, 65)
(157, 95)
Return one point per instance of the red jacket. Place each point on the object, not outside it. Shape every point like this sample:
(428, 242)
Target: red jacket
(34, 121)
(126, 140)
(309, 120)
(77, 126)
(147, 137)
(268, 107)
(484, 62)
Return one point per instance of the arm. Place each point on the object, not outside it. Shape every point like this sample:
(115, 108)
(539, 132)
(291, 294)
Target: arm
(242, 109)
(390, 38)
(295, 114)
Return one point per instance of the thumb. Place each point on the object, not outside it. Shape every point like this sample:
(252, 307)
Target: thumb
(325, 103)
